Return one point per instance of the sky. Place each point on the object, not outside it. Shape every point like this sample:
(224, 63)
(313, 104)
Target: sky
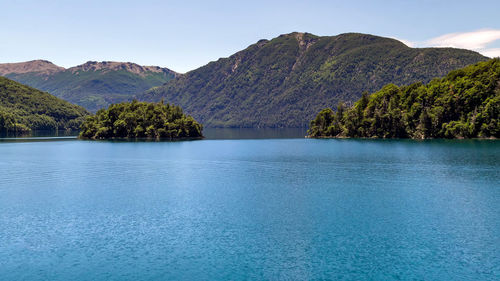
(184, 35)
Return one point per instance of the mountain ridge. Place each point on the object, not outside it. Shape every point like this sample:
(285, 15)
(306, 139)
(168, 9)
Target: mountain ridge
(44, 66)
(93, 84)
(128, 66)
(41, 66)
(285, 81)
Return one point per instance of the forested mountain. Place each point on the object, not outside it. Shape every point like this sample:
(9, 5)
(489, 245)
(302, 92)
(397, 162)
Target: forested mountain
(141, 120)
(23, 108)
(464, 104)
(284, 82)
(93, 85)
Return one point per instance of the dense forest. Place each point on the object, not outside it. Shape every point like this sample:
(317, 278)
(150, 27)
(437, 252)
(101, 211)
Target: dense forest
(93, 85)
(141, 120)
(286, 81)
(464, 104)
(23, 109)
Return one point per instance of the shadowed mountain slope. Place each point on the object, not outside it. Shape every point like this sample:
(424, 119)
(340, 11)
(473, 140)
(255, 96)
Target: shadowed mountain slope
(23, 108)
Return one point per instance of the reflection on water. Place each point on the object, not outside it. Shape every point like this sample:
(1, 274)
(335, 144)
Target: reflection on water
(39, 133)
(35, 136)
(254, 133)
(209, 133)
(259, 209)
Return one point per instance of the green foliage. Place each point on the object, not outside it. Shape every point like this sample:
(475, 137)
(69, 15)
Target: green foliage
(284, 82)
(140, 120)
(464, 104)
(93, 89)
(23, 108)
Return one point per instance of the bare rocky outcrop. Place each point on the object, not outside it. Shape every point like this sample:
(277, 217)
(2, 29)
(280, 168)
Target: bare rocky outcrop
(116, 66)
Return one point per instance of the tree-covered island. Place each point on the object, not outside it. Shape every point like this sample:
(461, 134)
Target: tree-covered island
(463, 104)
(141, 120)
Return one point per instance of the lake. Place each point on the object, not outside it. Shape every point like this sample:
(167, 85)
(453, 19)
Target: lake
(272, 207)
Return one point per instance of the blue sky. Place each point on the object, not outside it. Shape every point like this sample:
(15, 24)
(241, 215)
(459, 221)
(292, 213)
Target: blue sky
(184, 35)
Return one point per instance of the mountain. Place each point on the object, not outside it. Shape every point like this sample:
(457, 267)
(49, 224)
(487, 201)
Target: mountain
(284, 82)
(93, 85)
(23, 108)
(464, 104)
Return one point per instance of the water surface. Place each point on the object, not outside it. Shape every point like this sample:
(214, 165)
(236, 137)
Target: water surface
(250, 209)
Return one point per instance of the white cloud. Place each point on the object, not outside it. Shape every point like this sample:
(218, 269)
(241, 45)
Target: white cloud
(492, 53)
(476, 40)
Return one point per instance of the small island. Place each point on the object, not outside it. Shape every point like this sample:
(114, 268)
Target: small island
(141, 120)
(464, 104)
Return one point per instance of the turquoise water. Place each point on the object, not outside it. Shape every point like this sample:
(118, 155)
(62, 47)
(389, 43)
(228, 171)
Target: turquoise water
(250, 209)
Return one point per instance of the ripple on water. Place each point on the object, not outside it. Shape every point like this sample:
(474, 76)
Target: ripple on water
(250, 209)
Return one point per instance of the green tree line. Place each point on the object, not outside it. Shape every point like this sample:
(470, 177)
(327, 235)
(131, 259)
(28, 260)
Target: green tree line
(141, 120)
(464, 104)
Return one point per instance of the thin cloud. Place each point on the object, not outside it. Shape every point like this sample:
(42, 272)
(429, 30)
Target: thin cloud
(476, 40)
(492, 53)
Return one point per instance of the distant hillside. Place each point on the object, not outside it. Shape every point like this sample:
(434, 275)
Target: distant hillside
(284, 82)
(464, 104)
(93, 85)
(23, 108)
(38, 66)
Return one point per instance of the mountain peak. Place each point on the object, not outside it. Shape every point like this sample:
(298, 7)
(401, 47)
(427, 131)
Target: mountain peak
(41, 66)
(363, 39)
(299, 36)
(116, 66)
